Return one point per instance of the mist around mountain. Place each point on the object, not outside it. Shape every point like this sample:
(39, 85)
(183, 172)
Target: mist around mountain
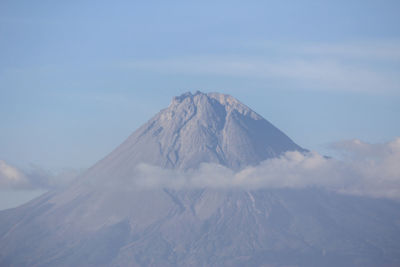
(209, 182)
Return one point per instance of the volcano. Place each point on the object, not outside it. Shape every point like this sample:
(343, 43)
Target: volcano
(101, 220)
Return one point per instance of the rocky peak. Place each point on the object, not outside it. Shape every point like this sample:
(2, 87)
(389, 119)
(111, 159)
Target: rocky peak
(213, 100)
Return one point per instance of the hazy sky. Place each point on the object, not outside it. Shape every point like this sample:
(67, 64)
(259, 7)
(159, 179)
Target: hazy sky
(77, 77)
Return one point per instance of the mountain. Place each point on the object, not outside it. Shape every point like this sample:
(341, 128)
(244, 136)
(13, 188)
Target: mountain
(105, 220)
(199, 128)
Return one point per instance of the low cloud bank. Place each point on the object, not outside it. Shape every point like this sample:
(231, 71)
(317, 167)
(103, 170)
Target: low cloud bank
(366, 169)
(12, 178)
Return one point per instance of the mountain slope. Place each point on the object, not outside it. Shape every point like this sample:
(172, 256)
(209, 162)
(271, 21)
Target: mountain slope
(101, 220)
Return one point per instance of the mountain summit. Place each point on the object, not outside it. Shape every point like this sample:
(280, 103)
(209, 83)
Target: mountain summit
(198, 128)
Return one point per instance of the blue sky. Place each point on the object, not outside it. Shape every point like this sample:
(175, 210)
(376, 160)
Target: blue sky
(77, 77)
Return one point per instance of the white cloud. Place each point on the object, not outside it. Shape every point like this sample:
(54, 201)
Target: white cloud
(373, 170)
(12, 178)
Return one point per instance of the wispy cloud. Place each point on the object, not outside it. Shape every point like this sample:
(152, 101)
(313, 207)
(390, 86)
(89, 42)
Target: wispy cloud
(12, 178)
(373, 170)
(362, 67)
(379, 50)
